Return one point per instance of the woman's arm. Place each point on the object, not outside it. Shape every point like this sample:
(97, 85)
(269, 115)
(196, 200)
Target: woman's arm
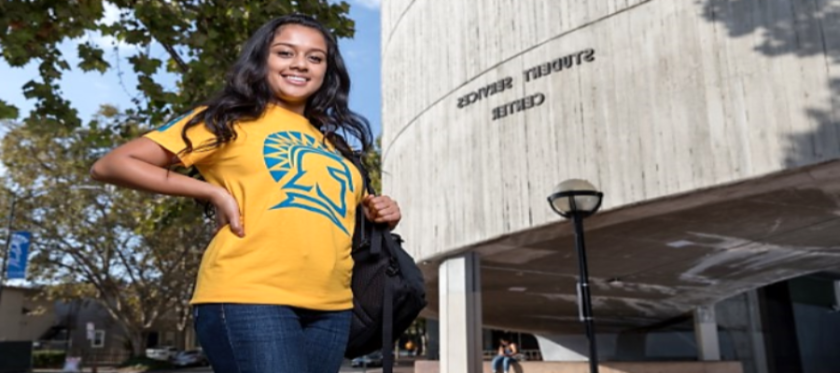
(143, 164)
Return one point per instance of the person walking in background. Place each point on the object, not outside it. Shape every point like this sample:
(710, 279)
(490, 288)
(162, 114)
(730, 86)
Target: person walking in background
(505, 356)
(273, 290)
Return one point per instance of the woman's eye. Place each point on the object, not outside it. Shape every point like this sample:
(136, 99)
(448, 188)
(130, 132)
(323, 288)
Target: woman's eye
(316, 59)
(284, 53)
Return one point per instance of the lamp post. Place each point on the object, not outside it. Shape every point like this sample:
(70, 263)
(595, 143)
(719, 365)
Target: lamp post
(577, 199)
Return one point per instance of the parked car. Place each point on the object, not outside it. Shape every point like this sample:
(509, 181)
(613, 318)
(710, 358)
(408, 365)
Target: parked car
(190, 358)
(370, 360)
(164, 353)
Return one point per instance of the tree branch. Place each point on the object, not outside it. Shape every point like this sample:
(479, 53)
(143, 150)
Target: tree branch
(175, 56)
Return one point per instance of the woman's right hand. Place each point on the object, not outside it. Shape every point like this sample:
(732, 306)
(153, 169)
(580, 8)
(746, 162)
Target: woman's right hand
(227, 212)
(144, 165)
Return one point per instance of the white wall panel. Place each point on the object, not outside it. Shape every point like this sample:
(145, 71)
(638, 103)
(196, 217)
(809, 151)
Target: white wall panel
(682, 95)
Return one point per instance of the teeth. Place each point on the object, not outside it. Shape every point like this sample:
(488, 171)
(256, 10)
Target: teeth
(296, 79)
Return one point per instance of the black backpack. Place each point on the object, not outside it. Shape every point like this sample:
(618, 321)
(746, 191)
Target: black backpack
(388, 288)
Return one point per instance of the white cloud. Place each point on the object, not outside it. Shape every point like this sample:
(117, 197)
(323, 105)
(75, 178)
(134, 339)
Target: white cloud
(370, 4)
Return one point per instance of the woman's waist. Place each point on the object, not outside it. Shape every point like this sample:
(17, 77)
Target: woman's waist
(287, 292)
(257, 262)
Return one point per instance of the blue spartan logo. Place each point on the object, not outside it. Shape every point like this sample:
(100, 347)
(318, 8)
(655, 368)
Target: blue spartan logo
(173, 122)
(285, 153)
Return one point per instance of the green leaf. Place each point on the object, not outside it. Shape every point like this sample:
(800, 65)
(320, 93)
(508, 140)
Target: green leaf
(145, 65)
(92, 58)
(8, 111)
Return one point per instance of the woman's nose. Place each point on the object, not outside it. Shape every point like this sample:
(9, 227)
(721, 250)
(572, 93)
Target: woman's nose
(299, 62)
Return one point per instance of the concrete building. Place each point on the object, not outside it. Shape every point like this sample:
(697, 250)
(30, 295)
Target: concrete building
(23, 315)
(711, 126)
(26, 315)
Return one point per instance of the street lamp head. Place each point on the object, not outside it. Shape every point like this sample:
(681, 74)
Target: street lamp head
(575, 197)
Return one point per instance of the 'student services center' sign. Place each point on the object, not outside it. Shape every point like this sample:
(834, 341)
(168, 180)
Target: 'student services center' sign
(531, 74)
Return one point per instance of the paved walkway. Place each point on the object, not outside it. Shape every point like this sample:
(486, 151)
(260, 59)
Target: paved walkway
(345, 369)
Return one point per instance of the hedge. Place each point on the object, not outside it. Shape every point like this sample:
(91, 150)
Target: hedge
(48, 359)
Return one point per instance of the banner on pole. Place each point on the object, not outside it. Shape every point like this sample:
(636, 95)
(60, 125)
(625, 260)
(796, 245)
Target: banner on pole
(18, 255)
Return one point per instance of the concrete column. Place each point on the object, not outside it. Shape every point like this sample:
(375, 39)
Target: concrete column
(705, 331)
(740, 317)
(460, 315)
(757, 335)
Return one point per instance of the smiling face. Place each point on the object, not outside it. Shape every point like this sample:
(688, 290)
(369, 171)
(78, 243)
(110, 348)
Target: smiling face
(296, 66)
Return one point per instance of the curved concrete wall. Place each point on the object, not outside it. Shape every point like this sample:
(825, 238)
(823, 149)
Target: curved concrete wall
(644, 98)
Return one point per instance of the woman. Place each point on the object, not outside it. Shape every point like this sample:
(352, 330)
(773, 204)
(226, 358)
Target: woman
(273, 290)
(505, 355)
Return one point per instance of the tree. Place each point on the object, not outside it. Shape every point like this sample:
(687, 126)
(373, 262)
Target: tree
(372, 160)
(135, 253)
(200, 40)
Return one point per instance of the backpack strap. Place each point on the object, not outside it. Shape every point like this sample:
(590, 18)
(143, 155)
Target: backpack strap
(388, 329)
(375, 244)
(379, 235)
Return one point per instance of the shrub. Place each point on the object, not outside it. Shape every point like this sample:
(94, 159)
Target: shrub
(143, 364)
(48, 359)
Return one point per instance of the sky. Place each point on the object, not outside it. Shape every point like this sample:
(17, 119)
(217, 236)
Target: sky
(87, 91)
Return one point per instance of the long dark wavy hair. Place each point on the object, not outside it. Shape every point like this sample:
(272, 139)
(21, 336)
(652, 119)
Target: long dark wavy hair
(246, 94)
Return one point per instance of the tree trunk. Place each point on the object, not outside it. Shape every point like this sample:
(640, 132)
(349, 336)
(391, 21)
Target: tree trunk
(138, 347)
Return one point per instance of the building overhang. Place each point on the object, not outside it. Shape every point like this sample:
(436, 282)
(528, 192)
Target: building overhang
(658, 260)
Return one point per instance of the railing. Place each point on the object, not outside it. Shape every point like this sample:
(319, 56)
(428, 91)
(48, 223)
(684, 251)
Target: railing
(103, 357)
(529, 355)
(50, 345)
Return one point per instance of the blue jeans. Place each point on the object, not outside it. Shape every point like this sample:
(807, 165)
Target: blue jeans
(256, 338)
(504, 361)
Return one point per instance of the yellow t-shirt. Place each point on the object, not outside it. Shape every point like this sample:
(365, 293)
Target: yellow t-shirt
(297, 196)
